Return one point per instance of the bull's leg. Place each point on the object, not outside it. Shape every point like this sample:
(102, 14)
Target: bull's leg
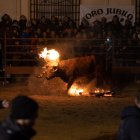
(72, 78)
(70, 82)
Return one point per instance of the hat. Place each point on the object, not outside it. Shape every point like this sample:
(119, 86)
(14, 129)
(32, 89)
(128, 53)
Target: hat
(23, 107)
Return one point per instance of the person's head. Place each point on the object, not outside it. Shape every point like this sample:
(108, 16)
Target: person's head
(5, 104)
(23, 18)
(115, 19)
(24, 110)
(137, 99)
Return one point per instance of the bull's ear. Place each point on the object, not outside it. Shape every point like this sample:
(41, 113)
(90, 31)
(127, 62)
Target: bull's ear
(55, 68)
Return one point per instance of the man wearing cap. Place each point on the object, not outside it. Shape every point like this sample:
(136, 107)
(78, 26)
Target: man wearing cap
(18, 125)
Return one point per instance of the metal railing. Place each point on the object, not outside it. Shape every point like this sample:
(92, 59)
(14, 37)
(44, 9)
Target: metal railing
(20, 55)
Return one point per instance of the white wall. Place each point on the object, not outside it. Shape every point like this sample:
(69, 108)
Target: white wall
(95, 2)
(107, 2)
(25, 8)
(120, 2)
(9, 7)
(15, 8)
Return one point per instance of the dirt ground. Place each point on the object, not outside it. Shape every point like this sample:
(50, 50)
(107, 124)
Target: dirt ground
(71, 118)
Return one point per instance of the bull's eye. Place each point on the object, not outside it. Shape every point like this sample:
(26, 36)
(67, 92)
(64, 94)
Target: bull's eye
(55, 68)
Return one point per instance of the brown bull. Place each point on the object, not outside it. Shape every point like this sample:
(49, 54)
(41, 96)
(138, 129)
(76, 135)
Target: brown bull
(71, 69)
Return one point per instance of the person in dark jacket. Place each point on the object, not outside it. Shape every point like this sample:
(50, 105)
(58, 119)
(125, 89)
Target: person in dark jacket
(130, 121)
(19, 123)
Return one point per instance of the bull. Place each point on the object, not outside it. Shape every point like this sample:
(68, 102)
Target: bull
(71, 69)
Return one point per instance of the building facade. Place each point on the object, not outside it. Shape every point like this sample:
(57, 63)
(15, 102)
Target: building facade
(15, 8)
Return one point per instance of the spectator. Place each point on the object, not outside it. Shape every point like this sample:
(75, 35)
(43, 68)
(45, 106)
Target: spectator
(65, 22)
(130, 121)
(115, 26)
(84, 24)
(25, 42)
(128, 26)
(18, 125)
(104, 24)
(44, 24)
(22, 22)
(54, 24)
(5, 23)
(97, 28)
(34, 24)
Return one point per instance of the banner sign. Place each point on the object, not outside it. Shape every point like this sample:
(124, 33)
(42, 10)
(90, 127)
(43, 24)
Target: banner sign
(92, 13)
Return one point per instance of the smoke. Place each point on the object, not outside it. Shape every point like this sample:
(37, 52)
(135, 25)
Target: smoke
(64, 47)
(87, 83)
(42, 86)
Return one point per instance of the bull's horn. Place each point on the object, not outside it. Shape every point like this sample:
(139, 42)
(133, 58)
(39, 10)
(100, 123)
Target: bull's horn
(55, 68)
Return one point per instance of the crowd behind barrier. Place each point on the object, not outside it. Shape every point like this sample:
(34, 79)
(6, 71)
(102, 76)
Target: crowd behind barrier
(23, 35)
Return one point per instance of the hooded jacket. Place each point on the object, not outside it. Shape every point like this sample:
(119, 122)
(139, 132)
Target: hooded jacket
(130, 124)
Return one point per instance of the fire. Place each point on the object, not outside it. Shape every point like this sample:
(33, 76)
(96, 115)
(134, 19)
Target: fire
(43, 54)
(51, 58)
(101, 92)
(75, 91)
(108, 94)
(78, 90)
(50, 55)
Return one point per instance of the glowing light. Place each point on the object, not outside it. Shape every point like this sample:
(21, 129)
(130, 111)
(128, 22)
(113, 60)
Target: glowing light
(98, 90)
(53, 54)
(101, 92)
(50, 55)
(75, 91)
(108, 94)
(43, 54)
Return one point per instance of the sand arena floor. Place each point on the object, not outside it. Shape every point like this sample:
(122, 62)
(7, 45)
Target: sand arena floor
(70, 118)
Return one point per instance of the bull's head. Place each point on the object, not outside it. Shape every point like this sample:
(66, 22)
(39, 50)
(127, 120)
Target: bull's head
(50, 70)
(51, 58)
